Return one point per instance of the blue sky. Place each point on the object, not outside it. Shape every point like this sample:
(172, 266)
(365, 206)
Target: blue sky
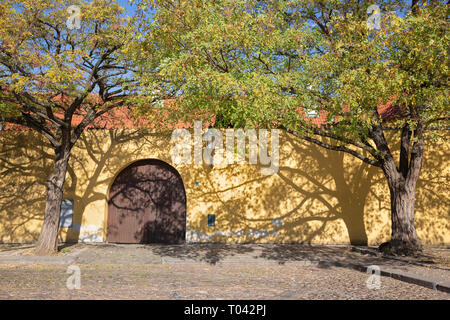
(126, 5)
(129, 8)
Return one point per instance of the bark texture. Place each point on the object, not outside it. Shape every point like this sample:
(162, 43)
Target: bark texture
(404, 239)
(402, 183)
(48, 239)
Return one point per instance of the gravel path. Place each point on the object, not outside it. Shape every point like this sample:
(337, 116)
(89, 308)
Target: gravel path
(198, 281)
(210, 271)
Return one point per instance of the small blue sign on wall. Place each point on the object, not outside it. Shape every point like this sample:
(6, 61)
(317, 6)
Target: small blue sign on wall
(211, 220)
(66, 214)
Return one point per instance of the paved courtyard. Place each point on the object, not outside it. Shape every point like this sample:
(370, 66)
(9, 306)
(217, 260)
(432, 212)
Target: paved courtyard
(205, 272)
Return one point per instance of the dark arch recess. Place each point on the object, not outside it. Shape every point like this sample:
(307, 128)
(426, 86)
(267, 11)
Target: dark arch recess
(147, 204)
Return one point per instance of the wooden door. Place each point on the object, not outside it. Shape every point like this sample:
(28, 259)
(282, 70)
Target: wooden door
(147, 204)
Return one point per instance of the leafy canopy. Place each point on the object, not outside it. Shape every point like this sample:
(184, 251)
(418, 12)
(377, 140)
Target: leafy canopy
(42, 58)
(254, 63)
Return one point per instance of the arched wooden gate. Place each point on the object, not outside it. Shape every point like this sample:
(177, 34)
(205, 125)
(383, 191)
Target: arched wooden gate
(147, 204)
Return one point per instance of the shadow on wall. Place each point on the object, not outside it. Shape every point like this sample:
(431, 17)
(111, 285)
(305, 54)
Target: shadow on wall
(24, 166)
(25, 162)
(338, 187)
(98, 158)
(317, 196)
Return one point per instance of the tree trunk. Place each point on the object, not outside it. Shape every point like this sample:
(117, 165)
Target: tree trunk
(404, 239)
(402, 185)
(48, 239)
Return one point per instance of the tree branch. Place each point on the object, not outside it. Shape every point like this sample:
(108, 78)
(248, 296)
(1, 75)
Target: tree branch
(322, 144)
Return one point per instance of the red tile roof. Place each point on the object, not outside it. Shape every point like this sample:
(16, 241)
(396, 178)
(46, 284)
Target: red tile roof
(123, 118)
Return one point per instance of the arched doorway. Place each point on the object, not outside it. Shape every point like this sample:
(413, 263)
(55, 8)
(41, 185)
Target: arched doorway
(147, 204)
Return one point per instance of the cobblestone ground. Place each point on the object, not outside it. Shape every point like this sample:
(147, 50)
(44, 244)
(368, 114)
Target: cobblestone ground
(201, 281)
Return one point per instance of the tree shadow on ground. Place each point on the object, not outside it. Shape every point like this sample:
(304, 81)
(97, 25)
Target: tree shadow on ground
(209, 253)
(305, 255)
(67, 245)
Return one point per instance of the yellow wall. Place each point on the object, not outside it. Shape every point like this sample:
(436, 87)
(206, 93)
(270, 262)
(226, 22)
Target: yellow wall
(320, 196)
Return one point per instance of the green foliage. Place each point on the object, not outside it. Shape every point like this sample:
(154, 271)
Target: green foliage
(41, 57)
(254, 63)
